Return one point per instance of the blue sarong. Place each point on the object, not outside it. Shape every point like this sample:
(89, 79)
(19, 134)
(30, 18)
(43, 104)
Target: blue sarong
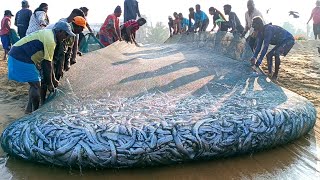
(5, 40)
(22, 72)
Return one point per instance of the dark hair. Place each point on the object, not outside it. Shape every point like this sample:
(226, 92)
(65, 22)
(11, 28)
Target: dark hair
(212, 9)
(41, 7)
(191, 9)
(84, 9)
(198, 5)
(142, 20)
(24, 4)
(180, 14)
(250, 2)
(257, 20)
(78, 12)
(118, 9)
(228, 6)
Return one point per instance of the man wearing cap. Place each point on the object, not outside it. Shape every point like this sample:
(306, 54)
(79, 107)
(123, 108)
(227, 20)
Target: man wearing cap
(110, 30)
(35, 52)
(22, 19)
(5, 32)
(66, 52)
(78, 23)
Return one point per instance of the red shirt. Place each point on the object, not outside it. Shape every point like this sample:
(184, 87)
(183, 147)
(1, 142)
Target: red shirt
(112, 22)
(5, 26)
(132, 23)
(316, 15)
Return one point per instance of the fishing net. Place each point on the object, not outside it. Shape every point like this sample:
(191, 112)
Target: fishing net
(192, 98)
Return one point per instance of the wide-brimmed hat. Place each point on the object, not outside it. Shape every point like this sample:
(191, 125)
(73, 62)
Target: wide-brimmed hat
(8, 13)
(63, 26)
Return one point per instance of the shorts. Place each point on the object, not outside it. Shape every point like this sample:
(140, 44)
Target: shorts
(22, 72)
(283, 48)
(5, 40)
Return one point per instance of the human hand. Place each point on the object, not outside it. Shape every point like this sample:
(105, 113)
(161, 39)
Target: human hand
(55, 83)
(51, 88)
(243, 35)
(253, 61)
(79, 53)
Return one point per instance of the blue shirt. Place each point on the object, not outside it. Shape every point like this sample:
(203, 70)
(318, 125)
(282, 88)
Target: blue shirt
(200, 16)
(131, 10)
(185, 23)
(23, 17)
(273, 35)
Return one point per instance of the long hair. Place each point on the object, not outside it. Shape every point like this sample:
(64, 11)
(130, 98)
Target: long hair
(41, 8)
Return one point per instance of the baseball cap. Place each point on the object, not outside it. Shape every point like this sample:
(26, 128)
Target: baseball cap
(64, 27)
(80, 21)
(8, 13)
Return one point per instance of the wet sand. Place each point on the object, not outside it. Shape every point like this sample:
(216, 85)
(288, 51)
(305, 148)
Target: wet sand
(300, 72)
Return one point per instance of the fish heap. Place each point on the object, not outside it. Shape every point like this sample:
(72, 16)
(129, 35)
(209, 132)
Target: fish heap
(152, 130)
(78, 128)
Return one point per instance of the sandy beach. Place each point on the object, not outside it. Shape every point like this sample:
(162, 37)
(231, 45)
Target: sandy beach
(300, 73)
(13, 96)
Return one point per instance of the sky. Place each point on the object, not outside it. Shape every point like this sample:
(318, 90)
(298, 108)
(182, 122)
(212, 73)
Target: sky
(159, 10)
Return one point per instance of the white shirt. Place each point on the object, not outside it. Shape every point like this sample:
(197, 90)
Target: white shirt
(36, 20)
(250, 18)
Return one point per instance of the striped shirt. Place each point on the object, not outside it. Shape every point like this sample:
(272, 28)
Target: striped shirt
(37, 22)
(132, 23)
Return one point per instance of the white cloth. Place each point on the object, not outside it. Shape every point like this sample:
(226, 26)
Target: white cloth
(250, 17)
(50, 26)
(37, 19)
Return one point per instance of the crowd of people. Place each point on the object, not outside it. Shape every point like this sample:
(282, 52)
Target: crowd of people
(259, 35)
(111, 31)
(44, 51)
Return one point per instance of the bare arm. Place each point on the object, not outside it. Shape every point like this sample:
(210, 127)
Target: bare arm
(89, 28)
(74, 49)
(48, 74)
(15, 20)
(310, 18)
(131, 36)
(138, 11)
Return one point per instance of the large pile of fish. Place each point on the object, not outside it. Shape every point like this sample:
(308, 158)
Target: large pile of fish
(90, 128)
(154, 129)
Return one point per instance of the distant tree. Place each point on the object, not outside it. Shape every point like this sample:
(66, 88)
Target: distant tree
(141, 35)
(157, 34)
(289, 27)
(301, 32)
